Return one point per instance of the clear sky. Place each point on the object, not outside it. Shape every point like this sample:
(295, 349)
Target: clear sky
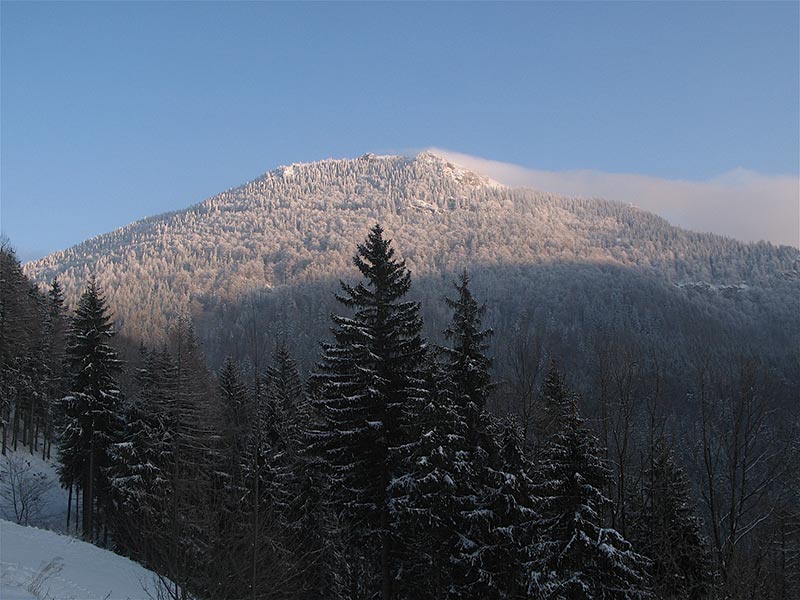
(112, 111)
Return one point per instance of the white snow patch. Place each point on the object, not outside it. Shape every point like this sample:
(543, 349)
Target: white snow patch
(36, 564)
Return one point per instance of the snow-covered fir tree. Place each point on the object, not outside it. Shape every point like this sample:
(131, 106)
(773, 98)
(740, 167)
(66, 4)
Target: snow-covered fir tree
(307, 522)
(140, 465)
(234, 427)
(575, 556)
(495, 519)
(92, 410)
(433, 490)
(235, 423)
(366, 378)
(665, 528)
(467, 360)
(54, 342)
(499, 525)
(287, 399)
(555, 397)
(289, 415)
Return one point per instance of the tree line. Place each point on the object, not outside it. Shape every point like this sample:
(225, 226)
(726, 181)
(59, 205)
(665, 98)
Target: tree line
(393, 471)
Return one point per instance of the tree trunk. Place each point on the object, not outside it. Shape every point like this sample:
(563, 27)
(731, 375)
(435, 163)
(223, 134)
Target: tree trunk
(77, 506)
(25, 417)
(5, 432)
(15, 430)
(88, 495)
(386, 567)
(255, 516)
(69, 505)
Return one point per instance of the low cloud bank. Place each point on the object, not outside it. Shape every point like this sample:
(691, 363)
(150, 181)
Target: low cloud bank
(741, 204)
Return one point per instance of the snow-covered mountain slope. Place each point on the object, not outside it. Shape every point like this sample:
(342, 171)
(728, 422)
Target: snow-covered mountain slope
(36, 564)
(299, 224)
(266, 256)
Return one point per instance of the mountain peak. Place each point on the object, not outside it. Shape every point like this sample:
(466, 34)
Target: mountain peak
(427, 161)
(458, 172)
(296, 224)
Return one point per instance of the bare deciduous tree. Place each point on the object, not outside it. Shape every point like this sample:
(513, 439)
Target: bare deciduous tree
(743, 456)
(22, 489)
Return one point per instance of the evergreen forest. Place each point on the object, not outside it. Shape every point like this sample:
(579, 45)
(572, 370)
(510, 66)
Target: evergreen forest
(527, 461)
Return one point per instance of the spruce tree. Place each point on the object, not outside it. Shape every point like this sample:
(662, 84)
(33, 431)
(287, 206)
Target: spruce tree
(287, 399)
(91, 411)
(228, 535)
(495, 520)
(575, 557)
(366, 378)
(433, 491)
(555, 397)
(140, 464)
(499, 525)
(299, 486)
(666, 530)
(288, 418)
(509, 542)
(20, 324)
(467, 362)
(236, 415)
(56, 329)
(192, 417)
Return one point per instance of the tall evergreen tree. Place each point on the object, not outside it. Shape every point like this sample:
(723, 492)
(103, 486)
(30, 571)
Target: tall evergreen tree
(499, 525)
(366, 378)
(496, 517)
(467, 362)
(140, 466)
(20, 320)
(299, 487)
(193, 417)
(235, 425)
(555, 398)
(666, 530)
(575, 557)
(430, 495)
(287, 399)
(92, 410)
(55, 336)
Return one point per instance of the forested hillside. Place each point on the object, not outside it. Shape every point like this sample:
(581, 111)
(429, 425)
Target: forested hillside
(273, 250)
(403, 468)
(295, 225)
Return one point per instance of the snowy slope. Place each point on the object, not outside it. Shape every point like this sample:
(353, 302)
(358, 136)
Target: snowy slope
(36, 564)
(298, 224)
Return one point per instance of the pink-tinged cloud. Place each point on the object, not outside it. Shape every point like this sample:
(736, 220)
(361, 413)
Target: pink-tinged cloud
(741, 204)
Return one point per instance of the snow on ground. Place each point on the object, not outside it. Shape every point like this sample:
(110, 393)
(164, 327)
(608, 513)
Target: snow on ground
(51, 512)
(36, 564)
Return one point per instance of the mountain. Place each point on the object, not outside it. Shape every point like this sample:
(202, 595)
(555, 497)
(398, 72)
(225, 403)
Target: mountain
(576, 270)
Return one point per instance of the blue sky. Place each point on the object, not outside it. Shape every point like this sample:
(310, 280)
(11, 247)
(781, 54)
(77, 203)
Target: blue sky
(112, 111)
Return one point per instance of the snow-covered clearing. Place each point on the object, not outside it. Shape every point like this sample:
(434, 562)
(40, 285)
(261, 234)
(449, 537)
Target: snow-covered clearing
(36, 564)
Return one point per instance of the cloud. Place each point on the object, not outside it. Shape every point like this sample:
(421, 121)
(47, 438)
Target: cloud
(741, 204)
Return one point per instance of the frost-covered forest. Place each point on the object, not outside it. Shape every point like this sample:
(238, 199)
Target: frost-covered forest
(296, 225)
(572, 277)
(571, 452)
